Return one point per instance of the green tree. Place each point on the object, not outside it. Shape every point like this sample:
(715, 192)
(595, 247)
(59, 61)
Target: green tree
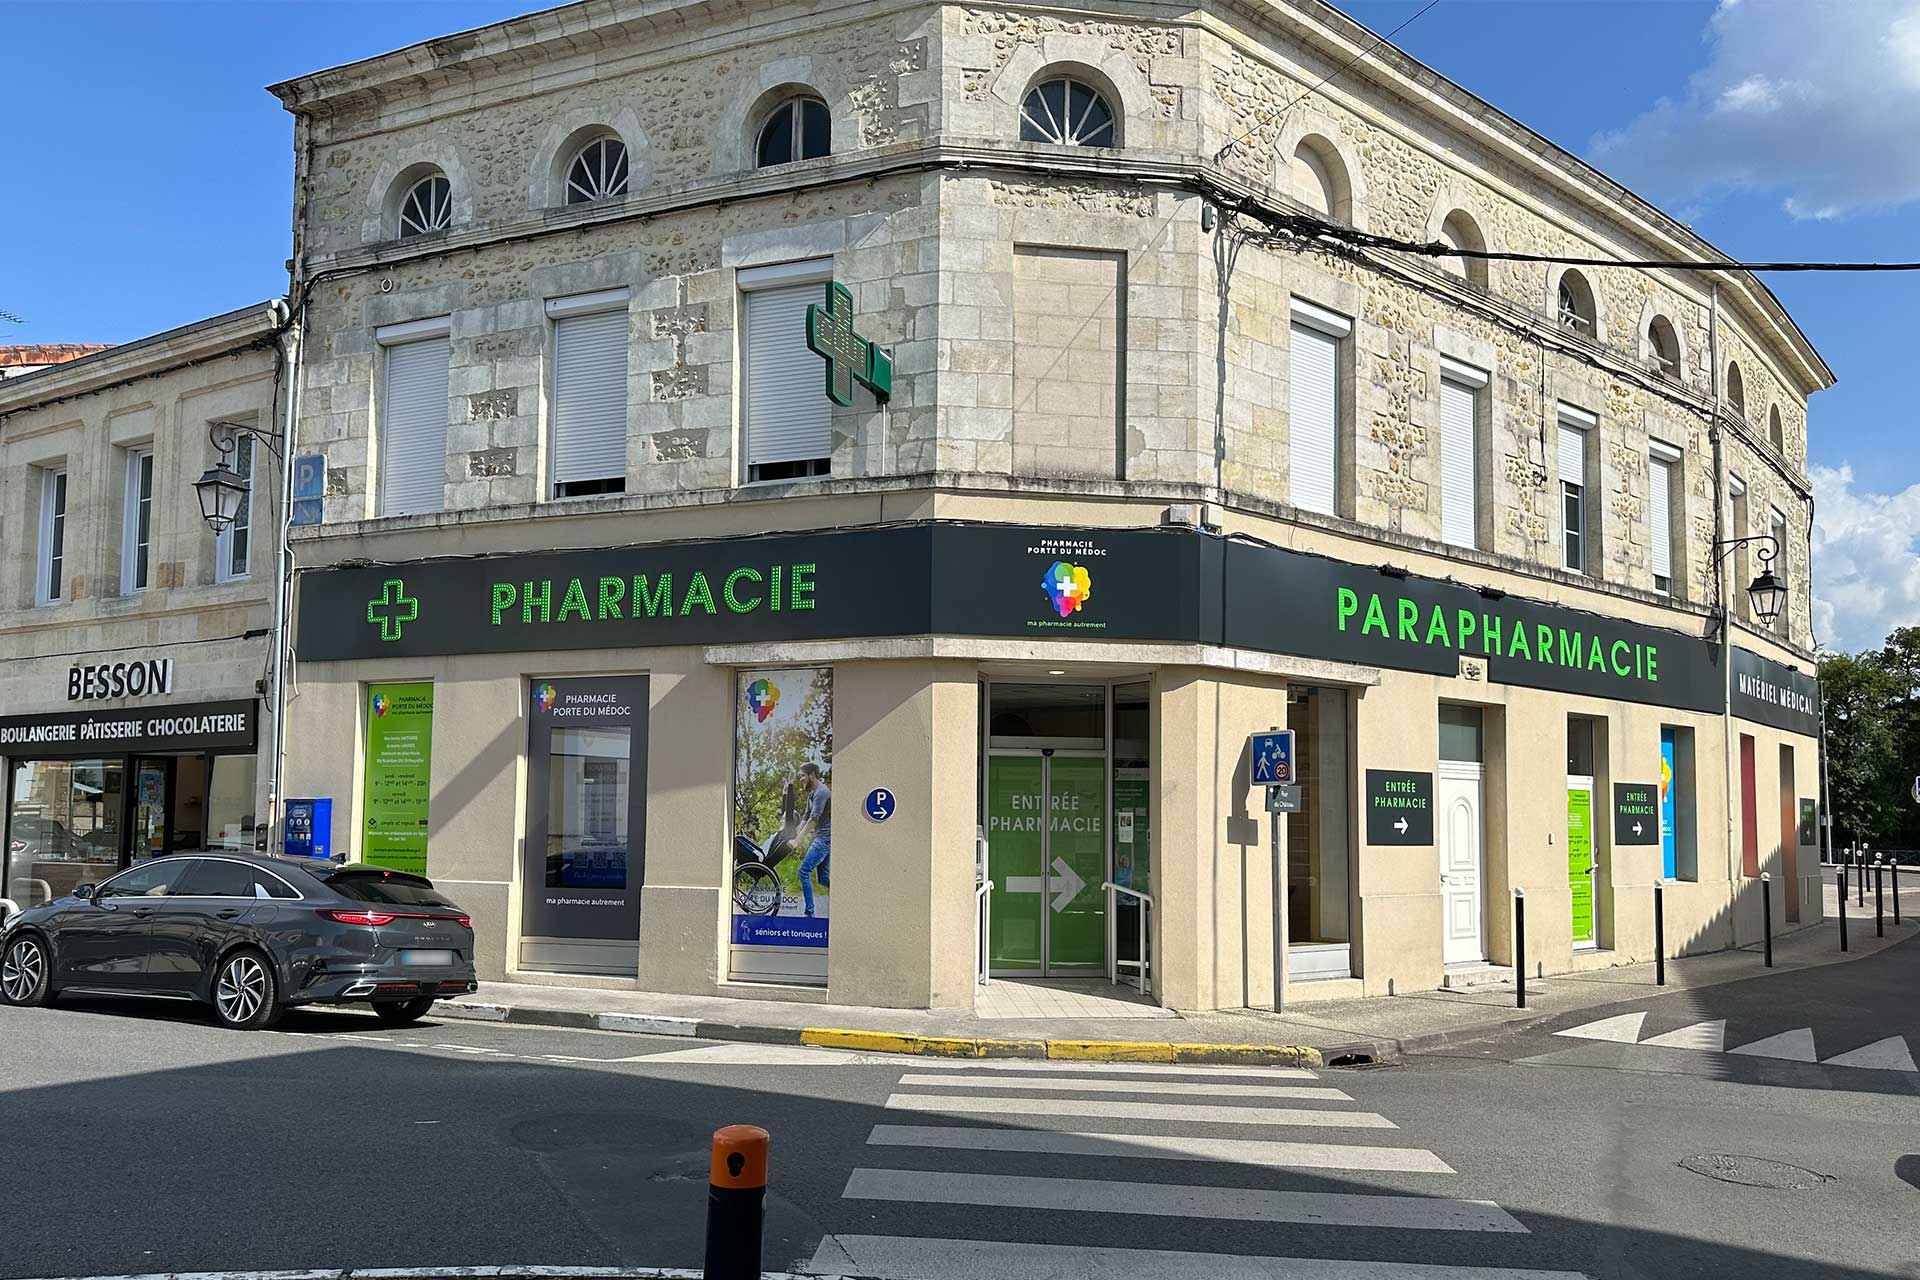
(1873, 741)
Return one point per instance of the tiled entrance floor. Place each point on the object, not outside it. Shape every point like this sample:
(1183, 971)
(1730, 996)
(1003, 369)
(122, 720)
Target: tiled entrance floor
(1062, 998)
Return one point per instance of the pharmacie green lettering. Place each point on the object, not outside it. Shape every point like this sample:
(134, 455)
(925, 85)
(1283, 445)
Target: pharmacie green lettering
(575, 601)
(773, 588)
(1409, 619)
(1465, 620)
(504, 594)
(612, 592)
(1653, 664)
(1571, 647)
(734, 602)
(1437, 625)
(1376, 617)
(1349, 604)
(1596, 661)
(1620, 668)
(658, 602)
(801, 579)
(1490, 627)
(1519, 644)
(543, 598)
(698, 592)
(1544, 648)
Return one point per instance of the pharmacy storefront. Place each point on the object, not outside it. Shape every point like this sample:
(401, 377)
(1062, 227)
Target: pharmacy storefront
(883, 762)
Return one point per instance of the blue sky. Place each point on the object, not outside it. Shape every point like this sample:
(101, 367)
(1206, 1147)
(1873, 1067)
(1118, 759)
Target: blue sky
(1778, 128)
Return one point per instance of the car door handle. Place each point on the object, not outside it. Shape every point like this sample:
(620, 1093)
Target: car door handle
(143, 912)
(229, 913)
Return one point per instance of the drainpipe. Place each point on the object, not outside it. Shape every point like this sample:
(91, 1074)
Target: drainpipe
(296, 339)
(1724, 602)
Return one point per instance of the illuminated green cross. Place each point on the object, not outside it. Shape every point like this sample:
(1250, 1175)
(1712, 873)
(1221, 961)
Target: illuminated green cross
(393, 609)
(850, 358)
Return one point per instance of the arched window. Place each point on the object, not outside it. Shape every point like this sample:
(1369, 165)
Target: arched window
(1068, 112)
(598, 171)
(1575, 304)
(427, 206)
(1736, 391)
(1319, 180)
(1663, 348)
(799, 129)
(1462, 232)
(1776, 432)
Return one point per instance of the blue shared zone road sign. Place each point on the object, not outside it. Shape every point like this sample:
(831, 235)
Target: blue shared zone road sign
(1272, 756)
(880, 803)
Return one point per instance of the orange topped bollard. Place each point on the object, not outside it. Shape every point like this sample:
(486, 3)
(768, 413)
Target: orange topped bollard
(736, 1202)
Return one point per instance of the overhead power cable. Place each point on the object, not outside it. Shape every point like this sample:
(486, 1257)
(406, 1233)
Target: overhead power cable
(1336, 73)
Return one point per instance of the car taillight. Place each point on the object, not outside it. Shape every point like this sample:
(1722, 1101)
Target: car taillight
(466, 922)
(360, 917)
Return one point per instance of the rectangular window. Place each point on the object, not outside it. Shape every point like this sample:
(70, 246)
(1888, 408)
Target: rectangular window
(1737, 499)
(1574, 427)
(788, 421)
(1660, 494)
(136, 536)
(1679, 837)
(1313, 407)
(234, 547)
(1319, 866)
(1777, 526)
(1461, 387)
(413, 426)
(590, 341)
(49, 578)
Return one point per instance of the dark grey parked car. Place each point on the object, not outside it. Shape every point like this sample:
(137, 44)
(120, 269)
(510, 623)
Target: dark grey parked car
(248, 935)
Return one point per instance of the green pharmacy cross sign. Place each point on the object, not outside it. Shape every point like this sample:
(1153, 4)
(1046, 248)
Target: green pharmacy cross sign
(850, 358)
(394, 609)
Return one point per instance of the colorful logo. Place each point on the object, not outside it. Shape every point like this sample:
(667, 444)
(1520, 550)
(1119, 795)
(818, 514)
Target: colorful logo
(762, 696)
(1666, 779)
(1068, 586)
(380, 704)
(544, 696)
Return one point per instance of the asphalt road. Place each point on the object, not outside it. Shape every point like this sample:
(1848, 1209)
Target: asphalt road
(140, 1139)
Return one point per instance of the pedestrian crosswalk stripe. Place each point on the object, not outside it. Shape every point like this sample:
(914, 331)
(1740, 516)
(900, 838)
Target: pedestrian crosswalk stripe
(1187, 1112)
(921, 1258)
(1193, 1088)
(1083, 1142)
(1624, 1029)
(1890, 1054)
(1708, 1037)
(1794, 1046)
(1169, 1200)
(1076, 1068)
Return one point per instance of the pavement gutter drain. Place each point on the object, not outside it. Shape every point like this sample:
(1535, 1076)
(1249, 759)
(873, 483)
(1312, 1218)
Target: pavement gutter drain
(1755, 1171)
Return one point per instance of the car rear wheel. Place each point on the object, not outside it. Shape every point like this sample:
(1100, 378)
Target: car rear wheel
(24, 971)
(397, 1013)
(245, 995)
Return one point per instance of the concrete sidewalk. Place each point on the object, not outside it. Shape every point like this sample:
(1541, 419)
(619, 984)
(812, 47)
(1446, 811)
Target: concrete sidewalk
(1312, 1035)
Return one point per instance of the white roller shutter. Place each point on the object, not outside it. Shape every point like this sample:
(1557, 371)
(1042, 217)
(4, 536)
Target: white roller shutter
(1660, 515)
(1313, 411)
(590, 397)
(789, 418)
(413, 435)
(1459, 481)
(1573, 455)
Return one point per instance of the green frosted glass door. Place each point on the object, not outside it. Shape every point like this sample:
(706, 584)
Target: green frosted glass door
(1016, 837)
(1580, 858)
(1077, 863)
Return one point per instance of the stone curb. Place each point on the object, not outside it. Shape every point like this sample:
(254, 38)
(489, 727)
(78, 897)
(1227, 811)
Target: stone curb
(444, 1273)
(904, 1043)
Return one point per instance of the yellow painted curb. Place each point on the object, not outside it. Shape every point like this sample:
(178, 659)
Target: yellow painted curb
(872, 1041)
(1111, 1050)
(1292, 1055)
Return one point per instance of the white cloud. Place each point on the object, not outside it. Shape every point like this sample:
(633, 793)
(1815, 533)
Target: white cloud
(1866, 561)
(1814, 101)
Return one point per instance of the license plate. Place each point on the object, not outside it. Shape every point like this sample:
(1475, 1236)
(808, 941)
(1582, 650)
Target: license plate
(441, 958)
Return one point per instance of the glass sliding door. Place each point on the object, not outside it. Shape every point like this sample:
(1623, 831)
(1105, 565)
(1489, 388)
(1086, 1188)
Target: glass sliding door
(1047, 858)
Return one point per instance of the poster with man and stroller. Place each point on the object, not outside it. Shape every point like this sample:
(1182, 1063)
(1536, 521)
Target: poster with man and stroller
(783, 807)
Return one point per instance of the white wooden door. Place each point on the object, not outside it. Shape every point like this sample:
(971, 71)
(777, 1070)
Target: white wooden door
(1462, 895)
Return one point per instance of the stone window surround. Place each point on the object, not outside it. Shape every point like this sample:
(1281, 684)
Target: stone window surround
(1086, 58)
(397, 175)
(737, 131)
(568, 134)
(1323, 133)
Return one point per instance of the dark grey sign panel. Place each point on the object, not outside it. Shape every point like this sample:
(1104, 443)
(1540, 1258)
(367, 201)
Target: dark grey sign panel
(1771, 693)
(1636, 813)
(189, 726)
(1399, 807)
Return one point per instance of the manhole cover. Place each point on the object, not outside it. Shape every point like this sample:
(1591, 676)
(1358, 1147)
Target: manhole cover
(1755, 1171)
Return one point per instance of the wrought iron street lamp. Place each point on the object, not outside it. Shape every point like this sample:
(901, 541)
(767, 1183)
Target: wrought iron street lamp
(1766, 594)
(221, 489)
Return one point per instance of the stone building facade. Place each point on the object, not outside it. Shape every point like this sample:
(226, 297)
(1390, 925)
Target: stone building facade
(125, 623)
(1097, 320)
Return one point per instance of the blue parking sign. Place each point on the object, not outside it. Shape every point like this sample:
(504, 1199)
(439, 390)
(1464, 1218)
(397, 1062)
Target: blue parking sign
(1272, 755)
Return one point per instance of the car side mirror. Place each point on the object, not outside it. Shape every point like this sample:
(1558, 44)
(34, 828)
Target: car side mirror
(84, 892)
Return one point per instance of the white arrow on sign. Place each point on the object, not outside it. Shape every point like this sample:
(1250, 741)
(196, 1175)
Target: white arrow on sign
(1401, 826)
(1067, 884)
(1636, 827)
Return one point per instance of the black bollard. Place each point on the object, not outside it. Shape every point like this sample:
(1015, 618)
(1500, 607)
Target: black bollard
(736, 1203)
(1893, 874)
(1843, 908)
(1879, 903)
(1766, 912)
(1519, 948)
(1860, 874)
(1659, 933)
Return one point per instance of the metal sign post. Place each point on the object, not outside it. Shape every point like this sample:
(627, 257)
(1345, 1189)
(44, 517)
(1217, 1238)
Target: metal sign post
(1272, 755)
